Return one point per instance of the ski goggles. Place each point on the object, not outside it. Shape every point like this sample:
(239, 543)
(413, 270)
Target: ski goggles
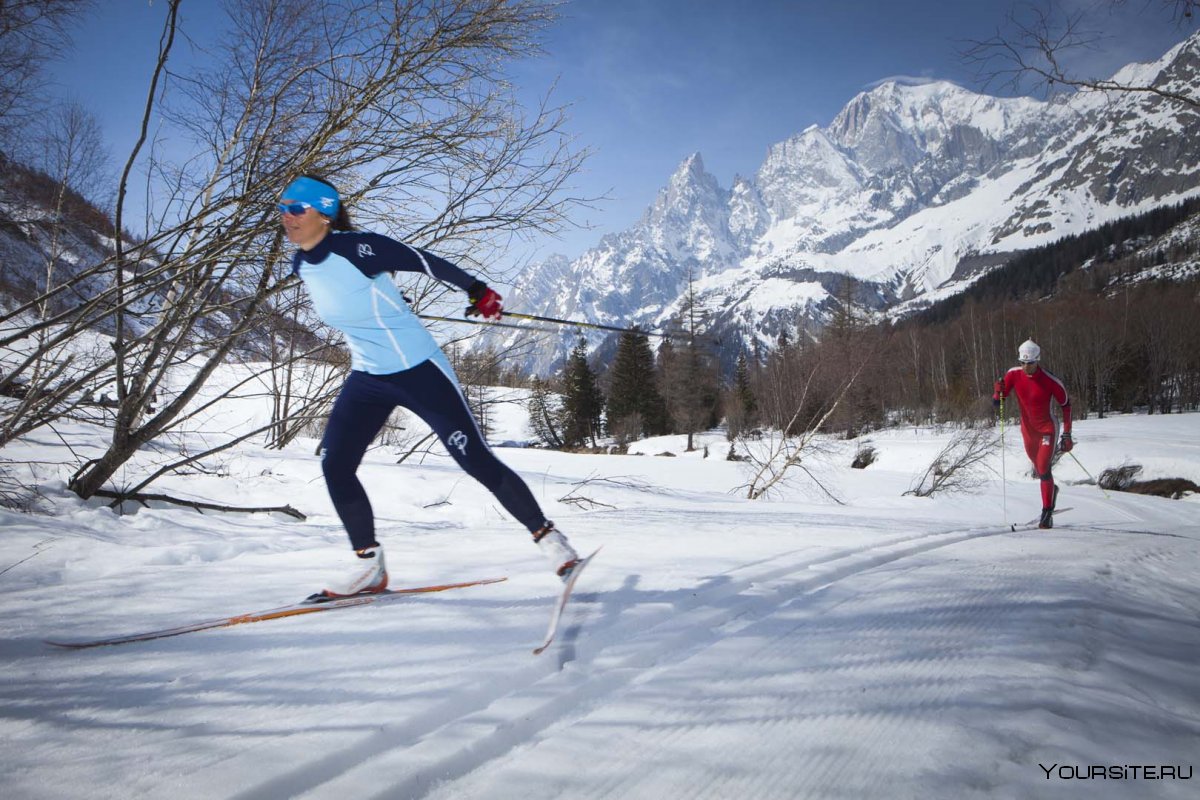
(294, 209)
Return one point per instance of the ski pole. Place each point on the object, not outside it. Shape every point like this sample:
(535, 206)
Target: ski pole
(533, 328)
(577, 323)
(536, 318)
(1003, 470)
(1082, 467)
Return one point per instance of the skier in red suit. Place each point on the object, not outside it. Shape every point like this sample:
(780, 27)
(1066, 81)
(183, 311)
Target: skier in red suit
(1035, 389)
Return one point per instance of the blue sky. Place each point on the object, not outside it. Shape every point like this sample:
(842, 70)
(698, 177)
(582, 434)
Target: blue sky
(649, 82)
(652, 82)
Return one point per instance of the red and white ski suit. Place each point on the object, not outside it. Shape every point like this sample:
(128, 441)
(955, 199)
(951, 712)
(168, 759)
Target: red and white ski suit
(1039, 427)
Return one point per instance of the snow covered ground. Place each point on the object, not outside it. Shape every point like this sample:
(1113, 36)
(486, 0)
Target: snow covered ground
(890, 647)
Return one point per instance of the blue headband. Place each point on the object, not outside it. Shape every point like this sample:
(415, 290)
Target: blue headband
(321, 196)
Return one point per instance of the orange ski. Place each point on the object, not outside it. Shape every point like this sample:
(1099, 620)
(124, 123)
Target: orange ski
(274, 613)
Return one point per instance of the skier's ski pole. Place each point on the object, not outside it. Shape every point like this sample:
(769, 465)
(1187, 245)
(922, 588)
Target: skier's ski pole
(577, 324)
(534, 328)
(1003, 470)
(536, 318)
(1082, 467)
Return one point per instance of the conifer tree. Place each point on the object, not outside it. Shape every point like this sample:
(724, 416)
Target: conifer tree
(741, 385)
(690, 387)
(690, 382)
(635, 406)
(582, 401)
(741, 405)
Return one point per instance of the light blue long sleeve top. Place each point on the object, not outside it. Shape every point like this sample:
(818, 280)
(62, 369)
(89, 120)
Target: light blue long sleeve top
(349, 279)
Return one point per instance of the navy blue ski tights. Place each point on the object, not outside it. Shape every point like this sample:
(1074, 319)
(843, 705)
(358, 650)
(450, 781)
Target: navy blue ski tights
(430, 391)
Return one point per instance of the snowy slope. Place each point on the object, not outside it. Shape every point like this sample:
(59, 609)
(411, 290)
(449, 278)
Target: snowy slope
(890, 647)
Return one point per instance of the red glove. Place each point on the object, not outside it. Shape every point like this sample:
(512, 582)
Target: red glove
(999, 392)
(484, 302)
(1066, 443)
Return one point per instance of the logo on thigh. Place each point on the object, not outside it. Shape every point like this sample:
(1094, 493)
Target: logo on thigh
(458, 439)
(1046, 441)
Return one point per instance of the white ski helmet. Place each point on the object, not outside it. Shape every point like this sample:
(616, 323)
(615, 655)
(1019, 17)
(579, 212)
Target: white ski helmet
(1029, 352)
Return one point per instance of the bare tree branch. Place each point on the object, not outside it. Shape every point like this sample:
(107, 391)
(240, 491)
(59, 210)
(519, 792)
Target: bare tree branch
(400, 101)
(146, 499)
(957, 467)
(1038, 44)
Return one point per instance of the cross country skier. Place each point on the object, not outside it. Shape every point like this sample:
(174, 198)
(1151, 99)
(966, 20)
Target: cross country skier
(394, 362)
(1035, 388)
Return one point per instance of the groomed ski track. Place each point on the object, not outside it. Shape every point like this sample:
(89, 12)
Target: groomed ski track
(840, 679)
(447, 743)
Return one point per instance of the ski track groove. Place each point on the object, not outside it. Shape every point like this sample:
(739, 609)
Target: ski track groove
(926, 683)
(460, 735)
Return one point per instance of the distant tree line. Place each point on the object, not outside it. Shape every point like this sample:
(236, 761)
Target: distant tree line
(1132, 349)
(1136, 349)
(1120, 342)
(1105, 251)
(38, 189)
(639, 394)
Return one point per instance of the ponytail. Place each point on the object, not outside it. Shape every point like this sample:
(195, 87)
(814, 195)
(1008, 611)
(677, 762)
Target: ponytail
(341, 220)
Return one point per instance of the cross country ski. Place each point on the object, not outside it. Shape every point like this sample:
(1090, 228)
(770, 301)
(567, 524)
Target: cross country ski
(296, 609)
(564, 596)
(1034, 523)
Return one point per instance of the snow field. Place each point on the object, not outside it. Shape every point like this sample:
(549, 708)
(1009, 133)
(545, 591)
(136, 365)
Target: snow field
(792, 647)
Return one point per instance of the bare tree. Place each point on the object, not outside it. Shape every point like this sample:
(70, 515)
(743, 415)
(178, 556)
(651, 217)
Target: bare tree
(46, 375)
(74, 158)
(1096, 338)
(957, 468)
(545, 414)
(797, 436)
(1040, 41)
(31, 33)
(690, 381)
(401, 102)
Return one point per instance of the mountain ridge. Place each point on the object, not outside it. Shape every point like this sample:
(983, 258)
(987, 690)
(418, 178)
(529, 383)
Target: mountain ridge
(910, 189)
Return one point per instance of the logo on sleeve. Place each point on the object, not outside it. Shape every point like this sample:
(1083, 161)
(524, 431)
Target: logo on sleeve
(458, 439)
(365, 250)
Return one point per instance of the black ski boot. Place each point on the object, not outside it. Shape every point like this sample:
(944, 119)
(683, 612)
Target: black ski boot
(1047, 520)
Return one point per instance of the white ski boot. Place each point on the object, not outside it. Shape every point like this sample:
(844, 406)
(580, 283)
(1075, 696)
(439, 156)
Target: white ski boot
(553, 544)
(367, 576)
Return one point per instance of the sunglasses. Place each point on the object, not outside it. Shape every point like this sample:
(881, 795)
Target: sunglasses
(294, 209)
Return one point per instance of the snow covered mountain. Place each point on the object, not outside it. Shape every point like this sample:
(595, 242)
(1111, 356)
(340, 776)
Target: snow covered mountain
(910, 190)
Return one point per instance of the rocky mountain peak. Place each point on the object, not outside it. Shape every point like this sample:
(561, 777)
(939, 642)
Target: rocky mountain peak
(908, 183)
(689, 191)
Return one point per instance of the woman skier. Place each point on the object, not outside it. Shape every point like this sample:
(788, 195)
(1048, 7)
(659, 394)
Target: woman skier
(394, 362)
